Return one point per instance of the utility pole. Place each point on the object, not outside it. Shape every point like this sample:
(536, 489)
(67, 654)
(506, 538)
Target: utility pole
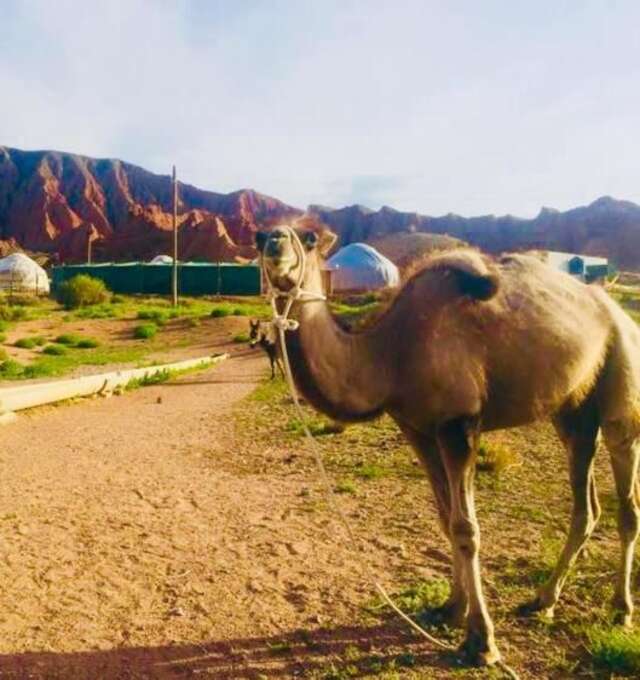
(174, 278)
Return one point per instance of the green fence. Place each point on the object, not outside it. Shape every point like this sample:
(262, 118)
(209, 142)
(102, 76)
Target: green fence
(194, 278)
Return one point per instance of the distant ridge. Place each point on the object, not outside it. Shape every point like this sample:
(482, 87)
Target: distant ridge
(607, 227)
(54, 202)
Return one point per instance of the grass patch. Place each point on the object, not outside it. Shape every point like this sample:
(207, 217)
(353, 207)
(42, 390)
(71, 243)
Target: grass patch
(416, 598)
(317, 426)
(68, 339)
(495, 458)
(54, 365)
(219, 312)
(55, 350)
(241, 338)
(87, 343)
(151, 379)
(346, 486)
(145, 331)
(30, 342)
(370, 471)
(614, 649)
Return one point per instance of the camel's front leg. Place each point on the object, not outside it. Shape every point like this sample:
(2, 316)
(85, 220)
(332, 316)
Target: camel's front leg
(458, 442)
(455, 608)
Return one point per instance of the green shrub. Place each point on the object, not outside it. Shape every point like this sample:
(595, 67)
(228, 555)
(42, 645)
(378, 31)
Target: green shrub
(158, 316)
(150, 379)
(241, 337)
(11, 369)
(238, 311)
(145, 331)
(87, 343)
(68, 339)
(4, 325)
(219, 312)
(3, 337)
(615, 649)
(82, 291)
(9, 313)
(30, 343)
(117, 299)
(55, 350)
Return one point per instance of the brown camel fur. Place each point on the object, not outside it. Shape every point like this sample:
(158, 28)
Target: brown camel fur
(468, 345)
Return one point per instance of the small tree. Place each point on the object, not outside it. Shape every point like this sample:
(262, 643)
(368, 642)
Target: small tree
(80, 291)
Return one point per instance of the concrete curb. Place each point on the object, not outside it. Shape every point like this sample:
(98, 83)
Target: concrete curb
(27, 396)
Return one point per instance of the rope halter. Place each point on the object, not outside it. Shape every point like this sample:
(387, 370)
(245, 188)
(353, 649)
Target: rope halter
(281, 321)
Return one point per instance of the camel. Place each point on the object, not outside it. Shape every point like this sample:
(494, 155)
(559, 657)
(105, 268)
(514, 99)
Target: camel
(473, 344)
(262, 333)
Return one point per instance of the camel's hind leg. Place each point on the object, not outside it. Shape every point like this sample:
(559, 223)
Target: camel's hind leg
(578, 429)
(623, 443)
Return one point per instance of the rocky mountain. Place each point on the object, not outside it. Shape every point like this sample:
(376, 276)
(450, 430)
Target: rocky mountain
(56, 202)
(606, 227)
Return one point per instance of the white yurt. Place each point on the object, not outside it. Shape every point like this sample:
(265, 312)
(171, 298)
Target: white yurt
(162, 259)
(20, 274)
(359, 267)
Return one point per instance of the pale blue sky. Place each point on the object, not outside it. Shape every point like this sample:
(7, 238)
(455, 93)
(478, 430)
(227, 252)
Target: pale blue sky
(469, 107)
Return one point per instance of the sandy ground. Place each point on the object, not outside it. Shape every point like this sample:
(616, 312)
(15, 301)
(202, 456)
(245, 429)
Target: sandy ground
(142, 537)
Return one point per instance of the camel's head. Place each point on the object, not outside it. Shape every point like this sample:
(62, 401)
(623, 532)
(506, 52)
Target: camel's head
(284, 248)
(254, 332)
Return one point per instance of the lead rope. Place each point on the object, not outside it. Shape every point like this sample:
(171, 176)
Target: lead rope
(282, 323)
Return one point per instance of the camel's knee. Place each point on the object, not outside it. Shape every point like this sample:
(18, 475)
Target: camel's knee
(465, 534)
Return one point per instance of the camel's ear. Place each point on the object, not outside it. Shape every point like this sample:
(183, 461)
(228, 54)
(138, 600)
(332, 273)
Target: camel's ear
(327, 241)
(472, 276)
(323, 241)
(261, 239)
(254, 323)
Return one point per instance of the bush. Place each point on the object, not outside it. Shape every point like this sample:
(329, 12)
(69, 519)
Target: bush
(117, 299)
(218, 312)
(68, 339)
(241, 337)
(55, 350)
(81, 291)
(30, 343)
(158, 316)
(87, 343)
(615, 649)
(11, 369)
(145, 331)
(8, 313)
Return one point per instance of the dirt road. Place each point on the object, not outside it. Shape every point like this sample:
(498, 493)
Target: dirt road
(131, 547)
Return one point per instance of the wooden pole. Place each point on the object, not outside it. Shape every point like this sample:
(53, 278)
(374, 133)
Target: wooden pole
(174, 278)
(89, 242)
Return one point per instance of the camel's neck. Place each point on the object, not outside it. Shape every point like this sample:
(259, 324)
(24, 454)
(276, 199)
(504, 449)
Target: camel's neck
(344, 375)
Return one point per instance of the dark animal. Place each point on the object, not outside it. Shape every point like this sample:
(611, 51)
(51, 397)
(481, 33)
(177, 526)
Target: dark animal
(261, 333)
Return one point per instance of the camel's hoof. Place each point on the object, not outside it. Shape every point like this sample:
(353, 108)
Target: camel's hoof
(623, 619)
(536, 606)
(478, 651)
(623, 615)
